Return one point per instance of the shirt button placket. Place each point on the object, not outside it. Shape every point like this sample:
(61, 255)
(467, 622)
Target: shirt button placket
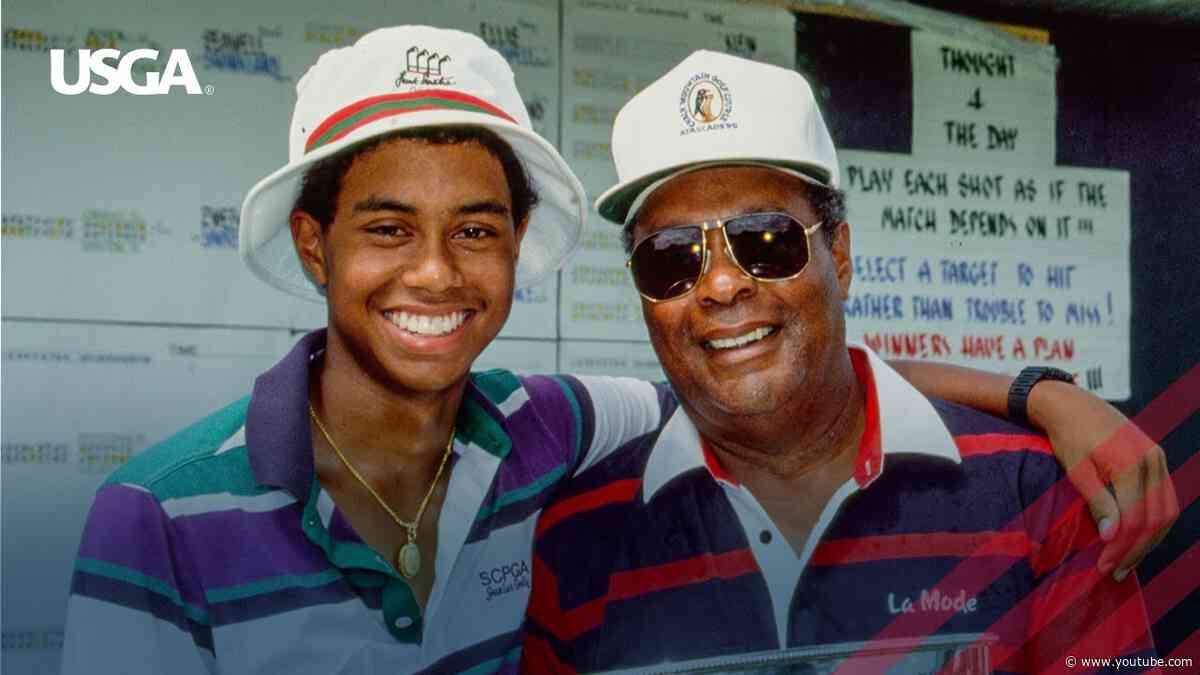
(401, 615)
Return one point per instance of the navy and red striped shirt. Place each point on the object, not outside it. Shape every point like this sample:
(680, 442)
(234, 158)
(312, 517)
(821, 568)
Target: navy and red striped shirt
(656, 556)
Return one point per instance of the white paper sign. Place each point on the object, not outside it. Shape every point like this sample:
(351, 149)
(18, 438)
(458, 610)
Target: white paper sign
(981, 104)
(991, 267)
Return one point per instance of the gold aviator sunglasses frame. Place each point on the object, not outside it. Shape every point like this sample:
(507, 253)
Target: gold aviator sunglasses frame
(719, 224)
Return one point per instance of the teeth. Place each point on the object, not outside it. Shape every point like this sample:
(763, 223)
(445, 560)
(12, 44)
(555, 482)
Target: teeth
(423, 324)
(730, 343)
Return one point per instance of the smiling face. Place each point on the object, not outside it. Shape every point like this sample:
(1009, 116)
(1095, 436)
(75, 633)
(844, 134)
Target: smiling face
(418, 261)
(735, 345)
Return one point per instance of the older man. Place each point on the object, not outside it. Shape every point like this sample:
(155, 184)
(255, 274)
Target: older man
(370, 506)
(797, 491)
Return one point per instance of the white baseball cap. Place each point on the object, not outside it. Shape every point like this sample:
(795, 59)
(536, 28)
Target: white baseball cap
(402, 78)
(716, 109)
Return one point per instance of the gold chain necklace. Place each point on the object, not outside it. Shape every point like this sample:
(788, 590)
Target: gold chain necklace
(408, 559)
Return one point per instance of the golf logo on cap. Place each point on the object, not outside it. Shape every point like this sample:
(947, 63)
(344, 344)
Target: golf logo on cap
(424, 68)
(705, 104)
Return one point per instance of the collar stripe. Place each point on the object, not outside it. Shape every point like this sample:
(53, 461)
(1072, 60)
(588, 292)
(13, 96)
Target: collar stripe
(869, 463)
(715, 467)
(363, 112)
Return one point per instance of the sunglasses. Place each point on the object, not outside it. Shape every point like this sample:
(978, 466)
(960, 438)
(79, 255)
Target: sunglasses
(766, 246)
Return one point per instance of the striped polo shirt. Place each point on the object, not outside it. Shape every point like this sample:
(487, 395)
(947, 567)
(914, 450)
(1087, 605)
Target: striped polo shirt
(219, 551)
(954, 522)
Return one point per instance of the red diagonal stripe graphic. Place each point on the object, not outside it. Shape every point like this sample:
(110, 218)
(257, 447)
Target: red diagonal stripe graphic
(1166, 590)
(1170, 586)
(1167, 411)
(1188, 649)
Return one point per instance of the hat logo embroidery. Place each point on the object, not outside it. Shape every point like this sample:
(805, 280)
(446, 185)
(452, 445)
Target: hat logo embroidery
(424, 68)
(705, 104)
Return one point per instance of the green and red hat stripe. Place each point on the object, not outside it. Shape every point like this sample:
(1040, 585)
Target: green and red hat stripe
(368, 110)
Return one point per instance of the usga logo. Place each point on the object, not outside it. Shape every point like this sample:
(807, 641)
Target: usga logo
(116, 72)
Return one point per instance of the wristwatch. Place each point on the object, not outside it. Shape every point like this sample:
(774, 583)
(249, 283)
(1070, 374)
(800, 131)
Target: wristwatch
(1018, 393)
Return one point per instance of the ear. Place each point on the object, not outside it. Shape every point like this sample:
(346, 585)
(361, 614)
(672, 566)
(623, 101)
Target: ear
(522, 227)
(842, 260)
(309, 240)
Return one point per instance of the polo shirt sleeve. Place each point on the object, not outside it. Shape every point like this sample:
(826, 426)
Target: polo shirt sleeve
(1074, 610)
(613, 411)
(135, 605)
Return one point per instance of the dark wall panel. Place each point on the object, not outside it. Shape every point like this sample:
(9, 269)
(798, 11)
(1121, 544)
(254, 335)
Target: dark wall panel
(1128, 98)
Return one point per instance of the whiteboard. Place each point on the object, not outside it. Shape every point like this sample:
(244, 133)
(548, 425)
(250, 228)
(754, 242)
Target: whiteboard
(80, 400)
(125, 208)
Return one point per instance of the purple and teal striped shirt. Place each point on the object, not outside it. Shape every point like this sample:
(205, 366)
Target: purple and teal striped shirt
(218, 549)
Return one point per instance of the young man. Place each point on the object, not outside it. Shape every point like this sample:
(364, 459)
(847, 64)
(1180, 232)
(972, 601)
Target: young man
(797, 492)
(370, 507)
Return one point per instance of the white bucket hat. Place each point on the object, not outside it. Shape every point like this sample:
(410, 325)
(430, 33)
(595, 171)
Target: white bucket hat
(715, 109)
(403, 78)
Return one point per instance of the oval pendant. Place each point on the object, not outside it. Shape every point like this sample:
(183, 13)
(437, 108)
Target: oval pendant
(409, 560)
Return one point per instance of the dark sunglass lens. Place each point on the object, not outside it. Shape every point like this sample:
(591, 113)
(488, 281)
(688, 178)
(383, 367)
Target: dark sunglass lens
(768, 245)
(668, 263)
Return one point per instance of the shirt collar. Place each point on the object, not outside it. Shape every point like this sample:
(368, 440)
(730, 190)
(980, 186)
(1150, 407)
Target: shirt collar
(277, 432)
(906, 422)
(279, 438)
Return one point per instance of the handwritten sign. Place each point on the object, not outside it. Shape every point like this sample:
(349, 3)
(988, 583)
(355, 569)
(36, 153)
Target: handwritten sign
(981, 104)
(991, 267)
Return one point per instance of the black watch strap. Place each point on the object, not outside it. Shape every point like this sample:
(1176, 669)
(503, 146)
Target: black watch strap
(1018, 393)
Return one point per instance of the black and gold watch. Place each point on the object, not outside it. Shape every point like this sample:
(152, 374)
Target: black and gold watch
(1018, 393)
